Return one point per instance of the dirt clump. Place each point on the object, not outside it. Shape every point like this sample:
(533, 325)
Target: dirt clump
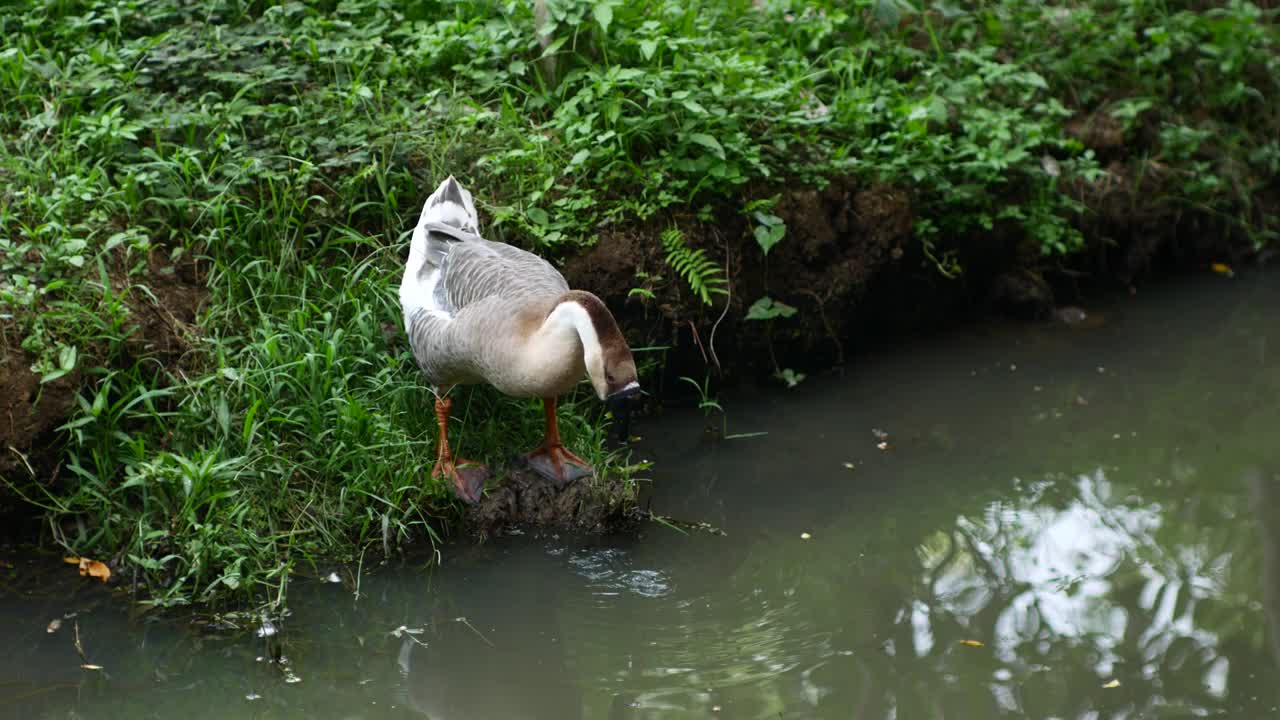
(524, 499)
(163, 306)
(1097, 131)
(29, 413)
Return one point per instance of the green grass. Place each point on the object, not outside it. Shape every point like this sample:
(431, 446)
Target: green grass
(281, 152)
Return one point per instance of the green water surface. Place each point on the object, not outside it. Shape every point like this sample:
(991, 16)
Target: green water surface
(1061, 523)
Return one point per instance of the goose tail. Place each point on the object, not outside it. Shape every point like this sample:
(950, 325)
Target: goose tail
(448, 215)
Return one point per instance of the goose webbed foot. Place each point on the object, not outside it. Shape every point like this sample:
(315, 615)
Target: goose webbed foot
(468, 477)
(558, 465)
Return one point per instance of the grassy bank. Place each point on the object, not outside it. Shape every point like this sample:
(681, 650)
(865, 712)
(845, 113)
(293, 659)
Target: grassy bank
(206, 205)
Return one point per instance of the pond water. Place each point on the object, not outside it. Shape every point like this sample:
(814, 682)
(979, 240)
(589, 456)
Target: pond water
(1061, 523)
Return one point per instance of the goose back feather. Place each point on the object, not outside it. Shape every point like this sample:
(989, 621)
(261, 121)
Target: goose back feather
(474, 309)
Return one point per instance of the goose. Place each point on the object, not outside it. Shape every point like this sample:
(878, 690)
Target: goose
(479, 311)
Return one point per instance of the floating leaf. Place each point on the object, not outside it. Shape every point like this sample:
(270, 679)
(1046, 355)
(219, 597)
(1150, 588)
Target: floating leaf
(805, 536)
(1223, 269)
(89, 666)
(971, 643)
(1113, 684)
(53, 626)
(93, 568)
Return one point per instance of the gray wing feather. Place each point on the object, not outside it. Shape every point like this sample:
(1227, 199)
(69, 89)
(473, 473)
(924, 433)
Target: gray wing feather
(472, 268)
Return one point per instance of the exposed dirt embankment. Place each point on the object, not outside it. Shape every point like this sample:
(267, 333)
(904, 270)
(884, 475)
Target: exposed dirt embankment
(162, 310)
(838, 239)
(30, 411)
(851, 267)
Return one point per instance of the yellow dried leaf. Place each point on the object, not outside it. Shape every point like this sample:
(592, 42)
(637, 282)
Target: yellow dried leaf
(971, 643)
(1223, 269)
(93, 568)
(1112, 684)
(88, 666)
(71, 560)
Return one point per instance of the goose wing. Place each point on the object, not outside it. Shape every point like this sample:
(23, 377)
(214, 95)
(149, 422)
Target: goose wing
(472, 268)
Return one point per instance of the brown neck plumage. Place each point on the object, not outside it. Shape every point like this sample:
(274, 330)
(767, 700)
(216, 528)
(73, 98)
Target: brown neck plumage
(607, 331)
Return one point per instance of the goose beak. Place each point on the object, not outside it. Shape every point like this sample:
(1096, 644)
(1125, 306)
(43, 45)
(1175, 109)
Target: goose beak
(631, 389)
(619, 405)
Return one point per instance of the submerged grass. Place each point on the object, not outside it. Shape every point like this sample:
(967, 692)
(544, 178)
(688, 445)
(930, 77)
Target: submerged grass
(273, 157)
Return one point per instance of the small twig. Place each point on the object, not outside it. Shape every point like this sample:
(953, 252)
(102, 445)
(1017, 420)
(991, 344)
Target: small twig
(684, 526)
(79, 648)
(698, 340)
(473, 629)
(23, 458)
(826, 324)
(728, 276)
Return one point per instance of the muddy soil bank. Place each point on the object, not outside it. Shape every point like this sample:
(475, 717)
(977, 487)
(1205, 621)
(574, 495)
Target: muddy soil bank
(855, 274)
(163, 306)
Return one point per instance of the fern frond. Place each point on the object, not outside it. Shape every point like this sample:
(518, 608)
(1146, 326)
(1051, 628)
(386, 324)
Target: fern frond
(703, 274)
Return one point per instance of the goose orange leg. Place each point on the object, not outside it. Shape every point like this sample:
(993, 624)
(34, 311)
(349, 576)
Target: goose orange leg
(468, 477)
(553, 461)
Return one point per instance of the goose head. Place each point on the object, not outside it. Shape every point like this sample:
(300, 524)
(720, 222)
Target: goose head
(451, 204)
(605, 353)
(613, 370)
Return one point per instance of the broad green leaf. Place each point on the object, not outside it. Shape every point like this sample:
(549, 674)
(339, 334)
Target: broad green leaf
(538, 215)
(67, 357)
(555, 46)
(693, 107)
(708, 142)
(648, 48)
(769, 235)
(603, 13)
(766, 308)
